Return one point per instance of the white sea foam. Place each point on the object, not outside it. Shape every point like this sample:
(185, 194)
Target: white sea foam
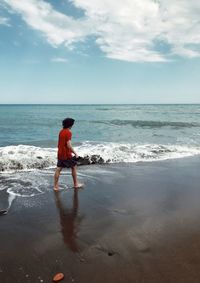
(24, 184)
(22, 157)
(25, 157)
(10, 200)
(124, 152)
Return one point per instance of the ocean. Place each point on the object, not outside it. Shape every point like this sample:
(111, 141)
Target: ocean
(117, 133)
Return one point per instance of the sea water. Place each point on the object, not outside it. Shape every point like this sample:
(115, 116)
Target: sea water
(118, 133)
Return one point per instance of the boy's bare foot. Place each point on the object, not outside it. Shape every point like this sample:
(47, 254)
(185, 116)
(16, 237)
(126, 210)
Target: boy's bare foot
(78, 186)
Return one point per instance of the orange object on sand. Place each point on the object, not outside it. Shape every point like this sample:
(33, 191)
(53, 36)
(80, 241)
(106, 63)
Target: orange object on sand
(58, 277)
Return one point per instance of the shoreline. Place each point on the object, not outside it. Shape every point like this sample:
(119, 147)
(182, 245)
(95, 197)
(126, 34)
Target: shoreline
(28, 157)
(131, 223)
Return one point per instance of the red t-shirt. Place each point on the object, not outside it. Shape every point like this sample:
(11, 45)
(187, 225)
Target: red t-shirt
(63, 151)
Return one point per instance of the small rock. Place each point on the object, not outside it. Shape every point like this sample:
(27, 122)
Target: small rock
(58, 277)
(111, 253)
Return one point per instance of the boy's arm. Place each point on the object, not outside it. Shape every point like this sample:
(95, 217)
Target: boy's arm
(69, 145)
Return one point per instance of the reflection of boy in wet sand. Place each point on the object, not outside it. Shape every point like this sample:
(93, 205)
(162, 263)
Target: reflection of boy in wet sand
(69, 221)
(65, 151)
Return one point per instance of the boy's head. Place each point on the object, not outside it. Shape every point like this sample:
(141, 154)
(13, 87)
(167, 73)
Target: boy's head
(68, 123)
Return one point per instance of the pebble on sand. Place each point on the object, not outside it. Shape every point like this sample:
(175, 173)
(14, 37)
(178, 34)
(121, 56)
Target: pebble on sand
(58, 277)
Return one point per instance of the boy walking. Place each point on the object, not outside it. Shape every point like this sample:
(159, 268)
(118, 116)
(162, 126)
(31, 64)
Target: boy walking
(65, 154)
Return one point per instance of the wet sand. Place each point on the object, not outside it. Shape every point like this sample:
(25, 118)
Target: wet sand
(131, 223)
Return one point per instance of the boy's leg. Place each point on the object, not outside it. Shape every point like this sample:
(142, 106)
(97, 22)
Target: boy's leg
(75, 180)
(56, 178)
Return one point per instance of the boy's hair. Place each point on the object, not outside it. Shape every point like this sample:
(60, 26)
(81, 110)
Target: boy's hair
(68, 123)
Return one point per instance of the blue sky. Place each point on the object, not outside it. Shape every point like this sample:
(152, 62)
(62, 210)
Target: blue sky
(100, 51)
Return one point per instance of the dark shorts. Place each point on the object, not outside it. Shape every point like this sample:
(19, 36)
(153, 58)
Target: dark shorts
(68, 163)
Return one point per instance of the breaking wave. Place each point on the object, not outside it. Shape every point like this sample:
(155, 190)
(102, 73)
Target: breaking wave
(25, 157)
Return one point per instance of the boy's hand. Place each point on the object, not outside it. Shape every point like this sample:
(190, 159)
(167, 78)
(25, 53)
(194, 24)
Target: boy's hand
(76, 155)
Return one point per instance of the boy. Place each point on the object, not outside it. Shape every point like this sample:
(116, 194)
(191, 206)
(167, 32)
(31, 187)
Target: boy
(65, 151)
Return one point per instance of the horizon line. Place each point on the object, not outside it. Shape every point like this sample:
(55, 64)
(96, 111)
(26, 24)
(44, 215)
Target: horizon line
(60, 104)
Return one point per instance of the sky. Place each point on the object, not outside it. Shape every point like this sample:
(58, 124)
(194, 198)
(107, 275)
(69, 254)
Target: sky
(99, 51)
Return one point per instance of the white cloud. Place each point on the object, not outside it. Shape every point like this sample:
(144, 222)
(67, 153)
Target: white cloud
(124, 29)
(59, 60)
(4, 21)
(56, 27)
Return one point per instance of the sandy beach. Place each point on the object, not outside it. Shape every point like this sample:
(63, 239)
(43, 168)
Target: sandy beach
(131, 223)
